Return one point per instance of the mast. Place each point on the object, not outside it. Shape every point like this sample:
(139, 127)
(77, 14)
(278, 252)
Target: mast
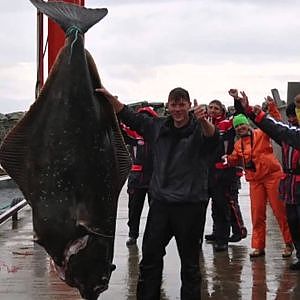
(40, 55)
(56, 38)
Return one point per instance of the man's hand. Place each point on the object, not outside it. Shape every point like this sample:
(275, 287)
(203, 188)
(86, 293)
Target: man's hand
(257, 109)
(244, 100)
(201, 115)
(234, 93)
(199, 111)
(105, 93)
(241, 104)
(240, 101)
(117, 105)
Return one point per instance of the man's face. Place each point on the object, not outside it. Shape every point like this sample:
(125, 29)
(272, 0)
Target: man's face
(214, 110)
(179, 110)
(242, 130)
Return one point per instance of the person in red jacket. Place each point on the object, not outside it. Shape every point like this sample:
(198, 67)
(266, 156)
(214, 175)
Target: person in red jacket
(263, 172)
(139, 176)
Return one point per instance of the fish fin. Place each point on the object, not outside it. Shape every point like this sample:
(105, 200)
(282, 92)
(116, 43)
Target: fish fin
(122, 154)
(12, 152)
(68, 14)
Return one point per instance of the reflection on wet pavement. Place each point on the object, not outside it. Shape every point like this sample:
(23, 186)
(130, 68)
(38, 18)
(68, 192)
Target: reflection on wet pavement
(222, 275)
(26, 272)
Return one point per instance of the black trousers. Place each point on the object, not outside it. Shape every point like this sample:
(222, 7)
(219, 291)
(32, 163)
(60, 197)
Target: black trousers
(293, 218)
(135, 207)
(221, 213)
(236, 218)
(164, 222)
(226, 211)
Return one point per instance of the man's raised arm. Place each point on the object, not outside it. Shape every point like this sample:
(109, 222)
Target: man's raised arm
(277, 130)
(117, 105)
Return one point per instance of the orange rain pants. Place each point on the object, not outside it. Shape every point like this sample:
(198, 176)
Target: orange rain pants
(264, 184)
(261, 192)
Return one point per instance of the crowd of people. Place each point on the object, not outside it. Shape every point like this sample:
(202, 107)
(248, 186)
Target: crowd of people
(198, 153)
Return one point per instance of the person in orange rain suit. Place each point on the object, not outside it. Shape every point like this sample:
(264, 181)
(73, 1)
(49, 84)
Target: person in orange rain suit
(263, 172)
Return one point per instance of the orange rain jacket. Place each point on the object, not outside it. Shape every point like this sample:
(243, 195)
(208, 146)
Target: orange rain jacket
(264, 182)
(261, 153)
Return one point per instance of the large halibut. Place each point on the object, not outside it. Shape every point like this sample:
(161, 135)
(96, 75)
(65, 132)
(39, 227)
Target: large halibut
(69, 159)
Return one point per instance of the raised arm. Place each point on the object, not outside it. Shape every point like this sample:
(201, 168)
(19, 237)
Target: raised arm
(207, 127)
(277, 130)
(138, 122)
(116, 104)
(273, 109)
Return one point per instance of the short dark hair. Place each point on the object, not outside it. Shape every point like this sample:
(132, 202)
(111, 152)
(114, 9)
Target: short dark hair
(178, 94)
(219, 103)
(291, 110)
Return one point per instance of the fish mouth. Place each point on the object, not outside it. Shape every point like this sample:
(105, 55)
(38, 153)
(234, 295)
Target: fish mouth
(94, 294)
(100, 289)
(71, 249)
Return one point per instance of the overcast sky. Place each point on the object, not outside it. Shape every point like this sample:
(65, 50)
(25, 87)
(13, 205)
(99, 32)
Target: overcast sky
(144, 48)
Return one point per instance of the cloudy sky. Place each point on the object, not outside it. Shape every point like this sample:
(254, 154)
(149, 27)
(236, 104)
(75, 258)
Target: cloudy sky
(144, 48)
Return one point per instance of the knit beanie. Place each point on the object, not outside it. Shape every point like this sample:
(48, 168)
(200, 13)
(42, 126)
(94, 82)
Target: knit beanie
(240, 120)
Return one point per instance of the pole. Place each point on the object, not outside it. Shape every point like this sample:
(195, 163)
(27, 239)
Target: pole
(40, 54)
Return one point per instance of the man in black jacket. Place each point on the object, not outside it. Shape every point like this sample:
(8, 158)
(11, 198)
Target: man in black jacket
(181, 145)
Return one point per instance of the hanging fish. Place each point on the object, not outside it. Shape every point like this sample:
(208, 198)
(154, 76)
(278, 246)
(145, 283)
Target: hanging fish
(68, 157)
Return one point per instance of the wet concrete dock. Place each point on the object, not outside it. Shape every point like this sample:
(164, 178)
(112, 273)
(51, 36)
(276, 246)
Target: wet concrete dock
(26, 274)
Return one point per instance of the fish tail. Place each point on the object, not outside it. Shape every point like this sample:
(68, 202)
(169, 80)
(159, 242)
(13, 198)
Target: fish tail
(69, 16)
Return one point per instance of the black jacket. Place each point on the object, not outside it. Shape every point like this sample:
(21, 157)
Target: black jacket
(289, 138)
(181, 157)
(279, 131)
(142, 162)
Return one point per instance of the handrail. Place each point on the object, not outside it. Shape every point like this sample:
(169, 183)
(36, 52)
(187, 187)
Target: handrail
(13, 211)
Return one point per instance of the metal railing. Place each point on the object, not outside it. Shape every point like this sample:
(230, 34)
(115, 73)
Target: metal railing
(13, 211)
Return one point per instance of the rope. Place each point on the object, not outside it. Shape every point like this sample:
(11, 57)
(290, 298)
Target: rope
(70, 31)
